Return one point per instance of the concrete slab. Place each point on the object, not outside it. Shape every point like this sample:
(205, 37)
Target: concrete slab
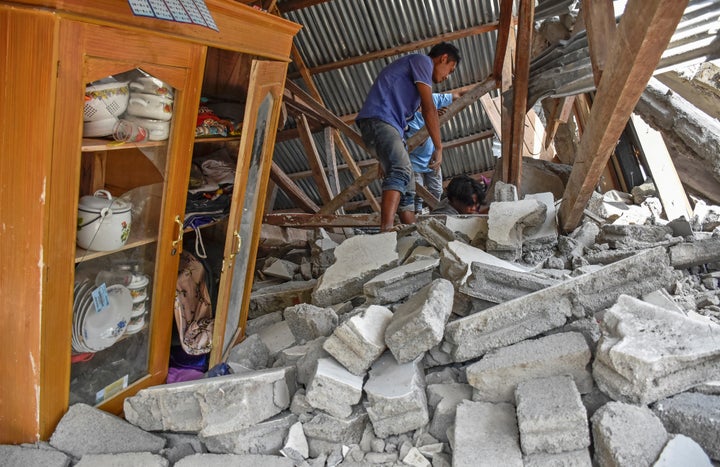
(486, 434)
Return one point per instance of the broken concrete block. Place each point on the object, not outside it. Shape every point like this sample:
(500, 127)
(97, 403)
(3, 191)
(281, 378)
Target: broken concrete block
(551, 417)
(435, 232)
(443, 399)
(621, 237)
(324, 431)
(545, 233)
(507, 220)
(423, 252)
(486, 434)
(415, 458)
(278, 297)
(296, 445)
(136, 459)
(470, 227)
(685, 255)
(249, 355)
(504, 192)
(234, 460)
(360, 340)
(695, 415)
(681, 450)
(306, 364)
(399, 283)
(276, 337)
(334, 389)
(13, 455)
(280, 268)
(418, 324)
(276, 236)
(579, 458)
(549, 308)
(496, 376)
(456, 258)
(213, 405)
(266, 437)
(357, 260)
(396, 400)
(308, 322)
(647, 353)
(87, 430)
(625, 435)
(497, 285)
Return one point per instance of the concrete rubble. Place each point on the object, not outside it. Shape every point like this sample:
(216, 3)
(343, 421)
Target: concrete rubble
(467, 342)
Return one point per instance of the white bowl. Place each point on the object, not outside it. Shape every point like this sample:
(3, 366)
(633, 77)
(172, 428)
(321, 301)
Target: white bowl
(158, 130)
(150, 85)
(150, 106)
(99, 128)
(103, 101)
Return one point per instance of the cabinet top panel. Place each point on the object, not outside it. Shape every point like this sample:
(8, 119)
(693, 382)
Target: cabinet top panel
(240, 28)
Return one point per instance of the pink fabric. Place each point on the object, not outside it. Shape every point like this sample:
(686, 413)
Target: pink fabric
(176, 375)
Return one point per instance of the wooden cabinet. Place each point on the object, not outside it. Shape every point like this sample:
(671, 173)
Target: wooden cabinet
(51, 52)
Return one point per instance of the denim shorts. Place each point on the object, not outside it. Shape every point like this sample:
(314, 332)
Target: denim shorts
(388, 147)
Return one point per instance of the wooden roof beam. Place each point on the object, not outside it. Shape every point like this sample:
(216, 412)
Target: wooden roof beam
(294, 192)
(642, 35)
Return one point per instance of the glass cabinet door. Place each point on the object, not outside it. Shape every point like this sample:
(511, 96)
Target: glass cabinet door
(255, 156)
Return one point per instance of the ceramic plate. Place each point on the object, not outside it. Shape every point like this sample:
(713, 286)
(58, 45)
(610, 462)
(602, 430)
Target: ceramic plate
(101, 329)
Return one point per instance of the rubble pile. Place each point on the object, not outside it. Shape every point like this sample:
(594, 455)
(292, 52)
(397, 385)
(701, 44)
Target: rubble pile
(467, 342)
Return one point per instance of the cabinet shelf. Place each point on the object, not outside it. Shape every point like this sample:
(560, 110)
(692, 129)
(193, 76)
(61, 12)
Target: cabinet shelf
(134, 241)
(216, 139)
(97, 144)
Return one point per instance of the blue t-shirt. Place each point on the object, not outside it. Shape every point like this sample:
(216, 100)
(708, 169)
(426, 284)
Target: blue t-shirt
(393, 97)
(420, 156)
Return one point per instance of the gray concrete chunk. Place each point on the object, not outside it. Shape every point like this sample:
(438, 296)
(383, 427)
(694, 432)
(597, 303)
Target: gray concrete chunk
(647, 353)
(444, 399)
(278, 297)
(549, 308)
(396, 400)
(579, 458)
(266, 437)
(681, 450)
(234, 460)
(360, 340)
(486, 434)
(496, 376)
(308, 322)
(214, 405)
(695, 415)
(87, 430)
(551, 417)
(399, 283)
(136, 459)
(625, 435)
(498, 285)
(418, 324)
(19, 456)
(357, 260)
(334, 389)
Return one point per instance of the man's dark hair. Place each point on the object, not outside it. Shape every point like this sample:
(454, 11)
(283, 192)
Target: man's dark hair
(445, 48)
(462, 188)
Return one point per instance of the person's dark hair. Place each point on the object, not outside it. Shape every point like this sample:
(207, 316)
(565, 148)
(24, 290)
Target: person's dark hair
(445, 48)
(462, 188)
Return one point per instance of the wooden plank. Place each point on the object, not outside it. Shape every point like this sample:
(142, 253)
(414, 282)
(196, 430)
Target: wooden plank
(501, 46)
(316, 165)
(353, 189)
(423, 192)
(559, 114)
(292, 190)
(670, 189)
(324, 113)
(323, 220)
(642, 36)
(599, 17)
(472, 95)
(520, 91)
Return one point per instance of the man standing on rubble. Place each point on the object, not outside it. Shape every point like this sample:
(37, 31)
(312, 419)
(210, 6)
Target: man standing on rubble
(393, 98)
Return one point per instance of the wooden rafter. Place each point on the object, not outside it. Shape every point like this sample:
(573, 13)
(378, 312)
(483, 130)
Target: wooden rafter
(642, 36)
(503, 39)
(599, 16)
(293, 191)
(405, 48)
(526, 17)
(316, 166)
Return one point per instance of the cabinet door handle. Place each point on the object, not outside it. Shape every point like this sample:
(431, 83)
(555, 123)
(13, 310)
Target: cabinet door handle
(178, 240)
(238, 244)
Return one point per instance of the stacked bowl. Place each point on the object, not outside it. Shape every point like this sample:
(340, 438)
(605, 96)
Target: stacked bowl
(151, 106)
(104, 103)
